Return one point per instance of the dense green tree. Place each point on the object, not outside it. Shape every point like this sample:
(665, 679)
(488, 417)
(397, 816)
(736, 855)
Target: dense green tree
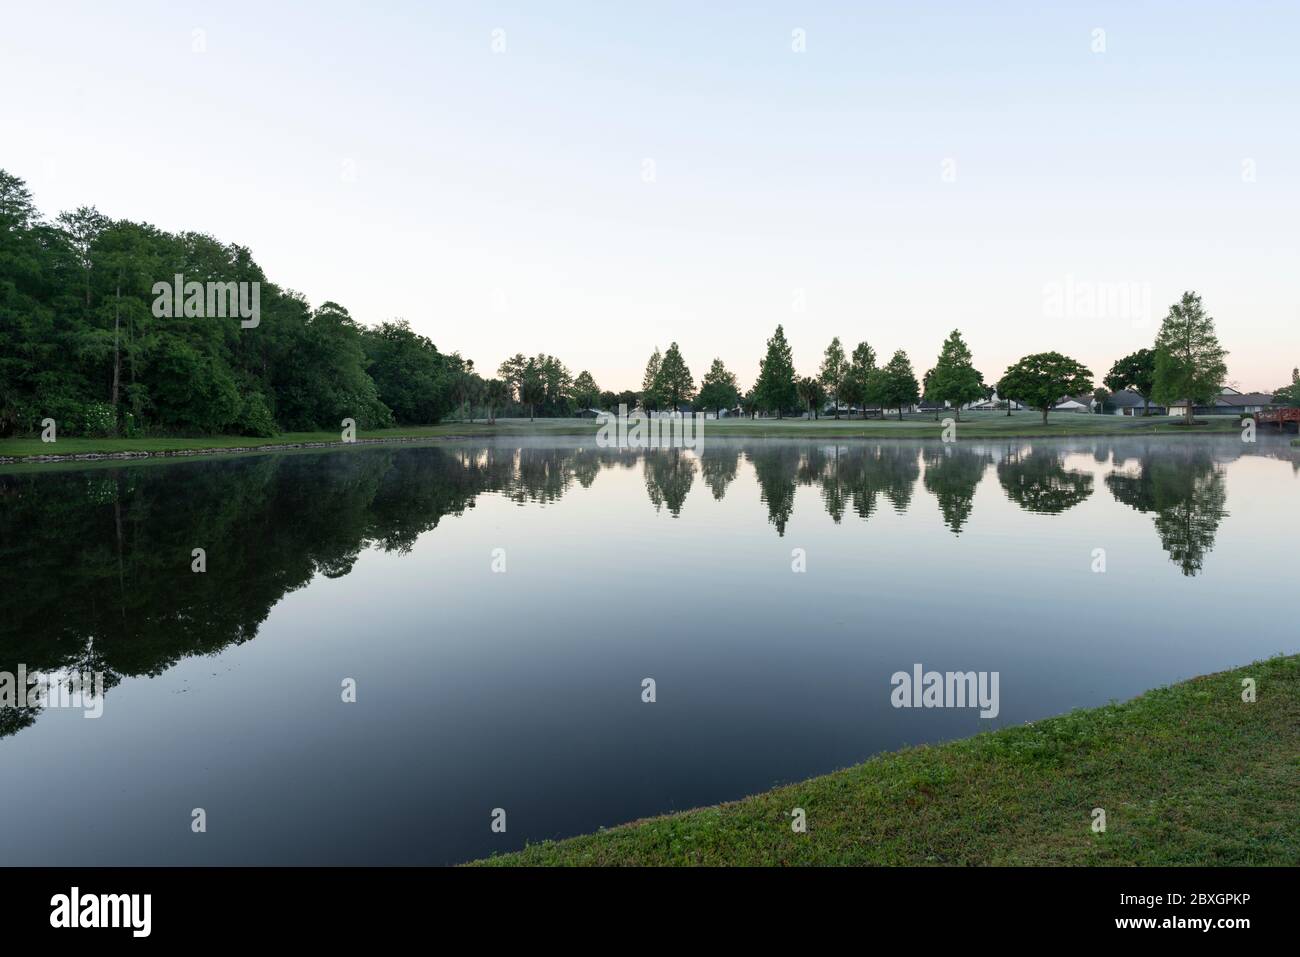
(718, 388)
(585, 391)
(1289, 394)
(813, 394)
(557, 397)
(464, 384)
(834, 368)
(532, 385)
(87, 339)
(775, 388)
(83, 227)
(673, 383)
(650, 397)
(1135, 371)
(495, 394)
(854, 387)
(327, 381)
(1041, 380)
(953, 378)
(511, 372)
(1189, 360)
(896, 385)
(412, 377)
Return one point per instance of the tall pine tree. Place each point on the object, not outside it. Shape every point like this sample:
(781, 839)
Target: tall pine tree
(775, 386)
(1189, 359)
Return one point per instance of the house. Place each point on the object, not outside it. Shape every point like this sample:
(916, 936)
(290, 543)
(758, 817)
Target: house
(1073, 403)
(586, 413)
(1131, 402)
(992, 404)
(1228, 402)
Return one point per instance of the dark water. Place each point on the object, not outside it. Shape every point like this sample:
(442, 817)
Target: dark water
(522, 689)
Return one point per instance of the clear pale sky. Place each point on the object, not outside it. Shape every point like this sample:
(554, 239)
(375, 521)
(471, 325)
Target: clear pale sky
(384, 156)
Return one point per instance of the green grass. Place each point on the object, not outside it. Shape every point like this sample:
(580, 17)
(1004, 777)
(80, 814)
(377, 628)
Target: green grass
(973, 425)
(27, 447)
(1187, 775)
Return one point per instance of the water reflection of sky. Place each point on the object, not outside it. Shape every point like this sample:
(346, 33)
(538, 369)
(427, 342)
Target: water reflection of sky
(522, 689)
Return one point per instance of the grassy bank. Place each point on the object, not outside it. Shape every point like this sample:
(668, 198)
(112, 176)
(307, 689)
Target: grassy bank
(1188, 774)
(972, 426)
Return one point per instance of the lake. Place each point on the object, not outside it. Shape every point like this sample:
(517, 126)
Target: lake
(497, 608)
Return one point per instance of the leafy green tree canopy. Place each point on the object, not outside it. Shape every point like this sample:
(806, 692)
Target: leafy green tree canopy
(1041, 380)
(834, 368)
(718, 388)
(673, 383)
(953, 378)
(895, 385)
(1135, 371)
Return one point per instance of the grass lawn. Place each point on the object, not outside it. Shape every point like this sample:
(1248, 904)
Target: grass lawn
(973, 425)
(24, 447)
(1187, 775)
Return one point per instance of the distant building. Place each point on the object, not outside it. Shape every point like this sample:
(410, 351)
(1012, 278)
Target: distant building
(993, 403)
(1073, 403)
(1131, 402)
(1228, 402)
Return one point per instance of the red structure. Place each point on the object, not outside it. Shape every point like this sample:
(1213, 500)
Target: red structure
(1279, 417)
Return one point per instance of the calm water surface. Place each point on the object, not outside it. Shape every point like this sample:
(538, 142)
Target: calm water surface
(521, 689)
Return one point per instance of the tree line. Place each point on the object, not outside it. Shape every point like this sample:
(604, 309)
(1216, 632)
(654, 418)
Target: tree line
(81, 343)
(1185, 362)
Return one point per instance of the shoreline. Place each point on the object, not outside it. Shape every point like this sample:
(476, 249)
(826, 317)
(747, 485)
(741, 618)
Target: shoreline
(33, 451)
(1187, 774)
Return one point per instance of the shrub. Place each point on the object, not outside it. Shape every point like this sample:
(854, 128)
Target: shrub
(97, 419)
(255, 417)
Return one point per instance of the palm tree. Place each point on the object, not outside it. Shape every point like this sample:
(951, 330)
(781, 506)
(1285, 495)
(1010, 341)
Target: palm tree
(496, 394)
(810, 390)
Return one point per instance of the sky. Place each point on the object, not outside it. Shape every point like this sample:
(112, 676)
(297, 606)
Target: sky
(593, 180)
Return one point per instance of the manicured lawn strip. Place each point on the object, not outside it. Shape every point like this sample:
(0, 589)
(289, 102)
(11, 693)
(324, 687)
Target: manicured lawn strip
(988, 425)
(1187, 775)
(80, 446)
